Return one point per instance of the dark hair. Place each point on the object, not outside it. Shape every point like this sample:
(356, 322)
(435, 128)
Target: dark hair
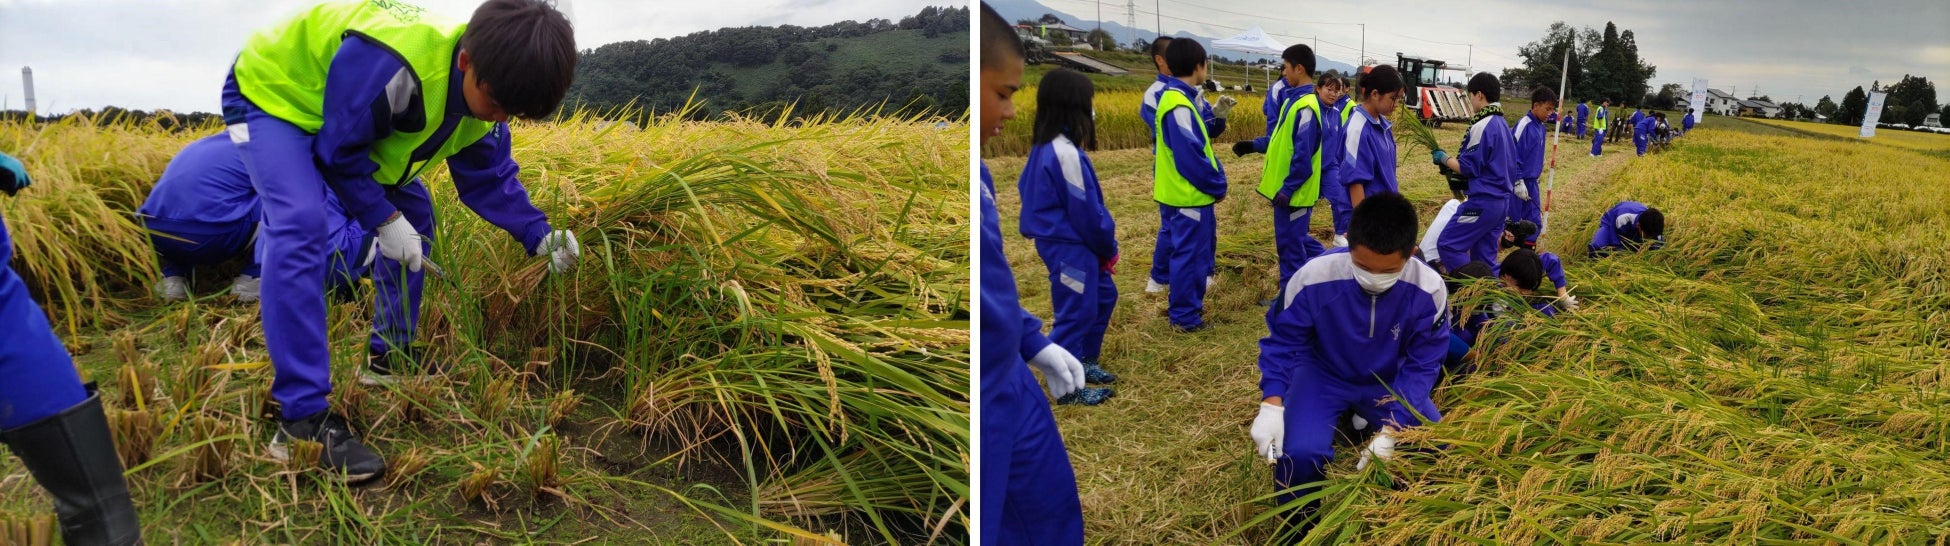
(1521, 230)
(1159, 44)
(999, 41)
(1485, 83)
(1384, 223)
(1332, 80)
(1469, 271)
(1689, 110)
(1301, 55)
(1063, 108)
(1524, 266)
(1183, 57)
(1652, 224)
(524, 52)
(1542, 95)
(1382, 79)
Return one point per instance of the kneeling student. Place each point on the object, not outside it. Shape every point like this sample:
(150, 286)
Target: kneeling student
(1628, 226)
(1363, 328)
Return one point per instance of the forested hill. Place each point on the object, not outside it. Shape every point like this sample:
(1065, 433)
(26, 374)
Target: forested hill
(917, 64)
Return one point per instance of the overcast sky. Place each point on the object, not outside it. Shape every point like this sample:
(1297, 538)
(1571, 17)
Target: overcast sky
(149, 54)
(1790, 49)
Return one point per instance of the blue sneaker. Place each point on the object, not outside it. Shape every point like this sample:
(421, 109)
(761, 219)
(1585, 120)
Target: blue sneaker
(1088, 396)
(1094, 373)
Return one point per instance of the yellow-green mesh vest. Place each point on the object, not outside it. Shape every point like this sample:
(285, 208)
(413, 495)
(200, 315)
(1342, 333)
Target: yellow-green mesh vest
(1603, 119)
(1279, 155)
(282, 71)
(1168, 187)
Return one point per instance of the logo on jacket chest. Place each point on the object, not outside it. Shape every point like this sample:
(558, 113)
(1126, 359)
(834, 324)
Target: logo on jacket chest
(1397, 331)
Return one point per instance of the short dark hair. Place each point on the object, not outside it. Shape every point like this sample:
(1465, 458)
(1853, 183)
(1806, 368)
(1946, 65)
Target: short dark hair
(1159, 44)
(1652, 223)
(1000, 45)
(1384, 223)
(1543, 95)
(1485, 83)
(524, 51)
(1301, 55)
(1524, 266)
(1689, 110)
(1183, 57)
(1382, 79)
(1332, 79)
(1063, 108)
(1469, 271)
(1521, 230)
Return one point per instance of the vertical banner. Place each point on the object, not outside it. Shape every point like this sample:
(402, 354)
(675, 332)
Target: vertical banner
(1698, 103)
(1874, 113)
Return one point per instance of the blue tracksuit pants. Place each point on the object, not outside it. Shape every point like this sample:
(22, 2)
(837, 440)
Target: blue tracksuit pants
(1082, 295)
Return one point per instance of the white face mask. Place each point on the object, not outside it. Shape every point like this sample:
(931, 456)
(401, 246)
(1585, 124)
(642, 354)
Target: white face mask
(1376, 283)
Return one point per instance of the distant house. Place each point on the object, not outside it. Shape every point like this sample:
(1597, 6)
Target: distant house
(1759, 108)
(1719, 102)
(1049, 31)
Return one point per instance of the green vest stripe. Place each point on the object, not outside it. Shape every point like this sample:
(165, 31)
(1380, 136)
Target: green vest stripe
(1168, 186)
(282, 70)
(1279, 154)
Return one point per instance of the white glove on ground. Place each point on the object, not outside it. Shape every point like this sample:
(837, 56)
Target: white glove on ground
(562, 249)
(1382, 447)
(1062, 372)
(398, 240)
(1269, 431)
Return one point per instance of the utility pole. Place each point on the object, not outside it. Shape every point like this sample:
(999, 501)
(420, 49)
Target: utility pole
(1363, 61)
(1158, 9)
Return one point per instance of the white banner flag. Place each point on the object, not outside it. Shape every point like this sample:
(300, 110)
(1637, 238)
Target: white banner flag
(1698, 103)
(1874, 113)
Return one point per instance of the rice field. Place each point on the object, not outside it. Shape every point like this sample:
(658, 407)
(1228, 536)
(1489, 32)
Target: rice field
(1930, 142)
(1118, 124)
(1775, 376)
(766, 341)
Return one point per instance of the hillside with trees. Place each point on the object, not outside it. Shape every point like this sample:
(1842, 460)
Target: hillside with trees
(916, 65)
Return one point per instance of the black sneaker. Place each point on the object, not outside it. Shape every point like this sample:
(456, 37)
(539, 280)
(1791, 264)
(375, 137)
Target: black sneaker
(343, 456)
(1088, 396)
(1095, 373)
(390, 368)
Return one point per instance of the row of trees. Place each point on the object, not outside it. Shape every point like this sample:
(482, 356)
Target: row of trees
(172, 121)
(1604, 65)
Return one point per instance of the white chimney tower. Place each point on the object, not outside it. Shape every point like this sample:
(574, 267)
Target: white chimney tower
(27, 79)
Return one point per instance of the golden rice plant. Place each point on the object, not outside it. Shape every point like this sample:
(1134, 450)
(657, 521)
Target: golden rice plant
(211, 459)
(28, 530)
(1118, 124)
(135, 433)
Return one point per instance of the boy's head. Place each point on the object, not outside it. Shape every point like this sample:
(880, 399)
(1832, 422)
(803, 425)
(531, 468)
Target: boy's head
(1542, 101)
(1158, 47)
(1518, 233)
(1468, 272)
(1689, 111)
(1331, 88)
(1002, 57)
(1381, 236)
(1063, 108)
(1186, 59)
(1381, 88)
(1297, 64)
(1522, 270)
(519, 57)
(1651, 226)
(1483, 90)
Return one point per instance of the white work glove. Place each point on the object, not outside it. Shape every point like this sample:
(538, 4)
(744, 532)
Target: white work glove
(1269, 431)
(1382, 447)
(1570, 302)
(398, 240)
(562, 250)
(1224, 106)
(1523, 191)
(1062, 372)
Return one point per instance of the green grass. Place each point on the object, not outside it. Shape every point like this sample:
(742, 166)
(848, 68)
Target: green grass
(1773, 377)
(763, 341)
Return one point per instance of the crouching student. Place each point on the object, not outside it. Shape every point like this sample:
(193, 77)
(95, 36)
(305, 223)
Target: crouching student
(1363, 329)
(204, 212)
(1642, 129)
(1521, 273)
(1628, 226)
(1523, 234)
(1063, 212)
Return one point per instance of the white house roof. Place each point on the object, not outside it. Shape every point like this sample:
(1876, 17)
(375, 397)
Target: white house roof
(1722, 95)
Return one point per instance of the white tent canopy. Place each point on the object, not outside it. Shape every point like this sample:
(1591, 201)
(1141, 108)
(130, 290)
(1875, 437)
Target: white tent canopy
(1254, 41)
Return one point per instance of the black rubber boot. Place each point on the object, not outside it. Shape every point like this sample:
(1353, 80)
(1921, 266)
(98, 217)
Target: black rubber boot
(72, 455)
